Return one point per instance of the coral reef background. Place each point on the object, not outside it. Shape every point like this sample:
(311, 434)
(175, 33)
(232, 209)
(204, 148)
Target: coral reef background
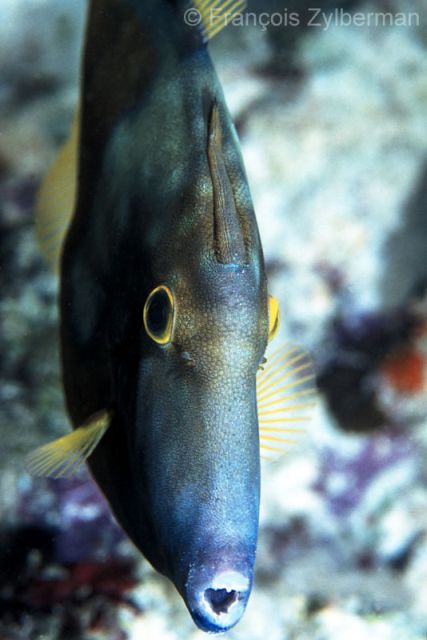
(333, 125)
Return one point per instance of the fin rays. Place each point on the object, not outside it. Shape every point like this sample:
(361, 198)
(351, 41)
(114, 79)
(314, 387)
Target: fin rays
(64, 456)
(217, 14)
(285, 395)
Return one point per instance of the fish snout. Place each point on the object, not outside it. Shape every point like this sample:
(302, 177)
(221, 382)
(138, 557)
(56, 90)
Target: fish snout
(217, 599)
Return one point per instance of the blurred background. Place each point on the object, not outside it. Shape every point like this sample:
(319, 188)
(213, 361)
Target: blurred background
(332, 117)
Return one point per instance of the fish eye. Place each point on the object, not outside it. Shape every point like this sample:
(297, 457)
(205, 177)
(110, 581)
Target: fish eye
(273, 317)
(159, 314)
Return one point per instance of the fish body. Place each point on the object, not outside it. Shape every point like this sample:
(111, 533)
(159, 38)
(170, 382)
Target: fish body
(164, 310)
(163, 202)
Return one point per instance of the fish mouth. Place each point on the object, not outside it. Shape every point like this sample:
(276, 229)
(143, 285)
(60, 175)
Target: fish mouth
(217, 603)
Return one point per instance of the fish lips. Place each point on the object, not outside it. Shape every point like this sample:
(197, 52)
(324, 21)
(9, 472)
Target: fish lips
(218, 586)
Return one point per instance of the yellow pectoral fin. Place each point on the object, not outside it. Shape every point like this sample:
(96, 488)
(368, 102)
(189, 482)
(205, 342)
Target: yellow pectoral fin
(62, 457)
(286, 396)
(56, 199)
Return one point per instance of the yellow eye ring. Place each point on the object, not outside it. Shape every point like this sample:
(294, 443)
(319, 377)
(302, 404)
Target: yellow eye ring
(273, 317)
(159, 314)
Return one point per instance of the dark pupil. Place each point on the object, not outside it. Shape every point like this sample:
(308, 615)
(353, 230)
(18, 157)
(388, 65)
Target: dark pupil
(158, 313)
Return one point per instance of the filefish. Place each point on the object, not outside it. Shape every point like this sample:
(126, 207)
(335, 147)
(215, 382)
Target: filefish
(165, 313)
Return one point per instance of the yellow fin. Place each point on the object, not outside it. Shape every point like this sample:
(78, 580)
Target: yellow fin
(286, 395)
(217, 14)
(56, 199)
(273, 317)
(62, 457)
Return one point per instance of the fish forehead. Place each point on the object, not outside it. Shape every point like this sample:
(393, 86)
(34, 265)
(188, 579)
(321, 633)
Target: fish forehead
(221, 300)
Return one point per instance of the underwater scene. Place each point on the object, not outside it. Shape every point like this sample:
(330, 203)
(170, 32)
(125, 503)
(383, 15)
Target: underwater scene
(250, 391)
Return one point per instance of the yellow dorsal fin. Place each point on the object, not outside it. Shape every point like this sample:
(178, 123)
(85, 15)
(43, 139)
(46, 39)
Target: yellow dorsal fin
(62, 457)
(56, 198)
(216, 14)
(286, 396)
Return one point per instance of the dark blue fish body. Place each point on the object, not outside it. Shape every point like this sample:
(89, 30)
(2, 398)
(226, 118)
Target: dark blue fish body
(164, 312)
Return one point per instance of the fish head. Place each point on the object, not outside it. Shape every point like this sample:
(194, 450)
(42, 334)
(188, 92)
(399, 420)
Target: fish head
(195, 436)
(194, 440)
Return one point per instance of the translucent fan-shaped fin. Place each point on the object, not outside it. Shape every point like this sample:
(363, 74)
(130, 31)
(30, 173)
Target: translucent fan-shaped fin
(62, 457)
(286, 396)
